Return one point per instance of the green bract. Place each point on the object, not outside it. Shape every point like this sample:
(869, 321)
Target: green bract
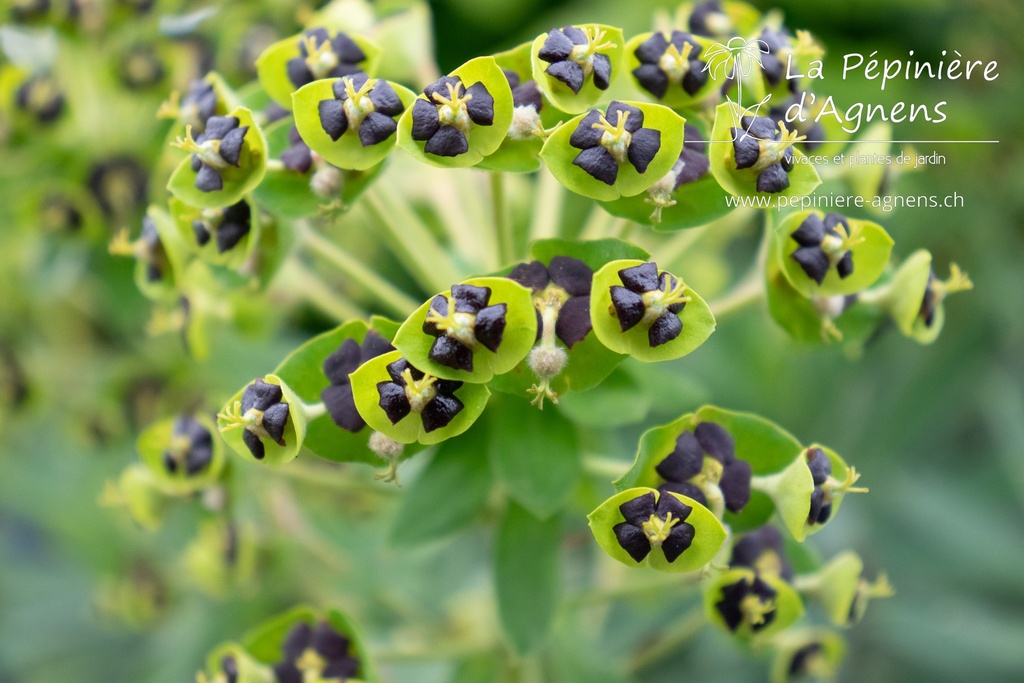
(191, 222)
(248, 669)
(589, 361)
(915, 296)
(870, 253)
(139, 491)
(157, 439)
(786, 606)
(609, 42)
(818, 319)
(675, 96)
(221, 557)
(272, 65)
(707, 539)
(347, 151)
(168, 254)
(483, 139)
(520, 331)
(559, 155)
(697, 320)
(816, 652)
(841, 589)
(237, 181)
(791, 491)
(410, 428)
(294, 429)
(265, 642)
(743, 182)
(303, 371)
(285, 192)
(520, 150)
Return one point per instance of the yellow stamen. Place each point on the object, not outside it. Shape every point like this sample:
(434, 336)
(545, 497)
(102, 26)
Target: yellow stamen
(419, 392)
(320, 59)
(658, 529)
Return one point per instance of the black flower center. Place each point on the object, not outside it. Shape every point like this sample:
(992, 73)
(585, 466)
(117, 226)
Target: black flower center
(654, 525)
(766, 147)
(362, 104)
(411, 390)
(463, 322)
(574, 54)
(703, 466)
(606, 145)
(650, 299)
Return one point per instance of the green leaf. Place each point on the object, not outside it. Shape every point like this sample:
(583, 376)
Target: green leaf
(698, 321)
(709, 535)
(621, 401)
(526, 576)
(534, 454)
(156, 439)
(675, 96)
(743, 182)
(788, 606)
(559, 93)
(272, 65)
(558, 154)
(483, 140)
(870, 257)
(448, 494)
(238, 181)
(410, 428)
(347, 151)
(517, 338)
(294, 431)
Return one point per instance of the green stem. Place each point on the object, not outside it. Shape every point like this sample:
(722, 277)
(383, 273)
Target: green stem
(629, 589)
(311, 288)
(549, 199)
(671, 639)
(502, 224)
(386, 294)
(410, 239)
(748, 292)
(598, 226)
(678, 245)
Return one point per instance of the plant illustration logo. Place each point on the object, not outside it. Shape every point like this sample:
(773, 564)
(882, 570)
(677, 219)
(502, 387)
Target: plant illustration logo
(734, 61)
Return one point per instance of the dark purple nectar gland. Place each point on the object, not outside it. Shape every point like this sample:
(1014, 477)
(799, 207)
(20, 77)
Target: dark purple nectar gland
(649, 299)
(764, 552)
(670, 61)
(527, 102)
(298, 157)
(766, 147)
(709, 19)
(324, 57)
(261, 413)
(316, 653)
(605, 146)
(337, 367)
(749, 601)
(692, 165)
(362, 104)
(823, 246)
(228, 226)
(448, 113)
(410, 390)
(462, 322)
(561, 298)
(40, 97)
(703, 466)
(148, 248)
(826, 488)
(574, 55)
(649, 525)
(213, 151)
(191, 447)
(937, 290)
(227, 672)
